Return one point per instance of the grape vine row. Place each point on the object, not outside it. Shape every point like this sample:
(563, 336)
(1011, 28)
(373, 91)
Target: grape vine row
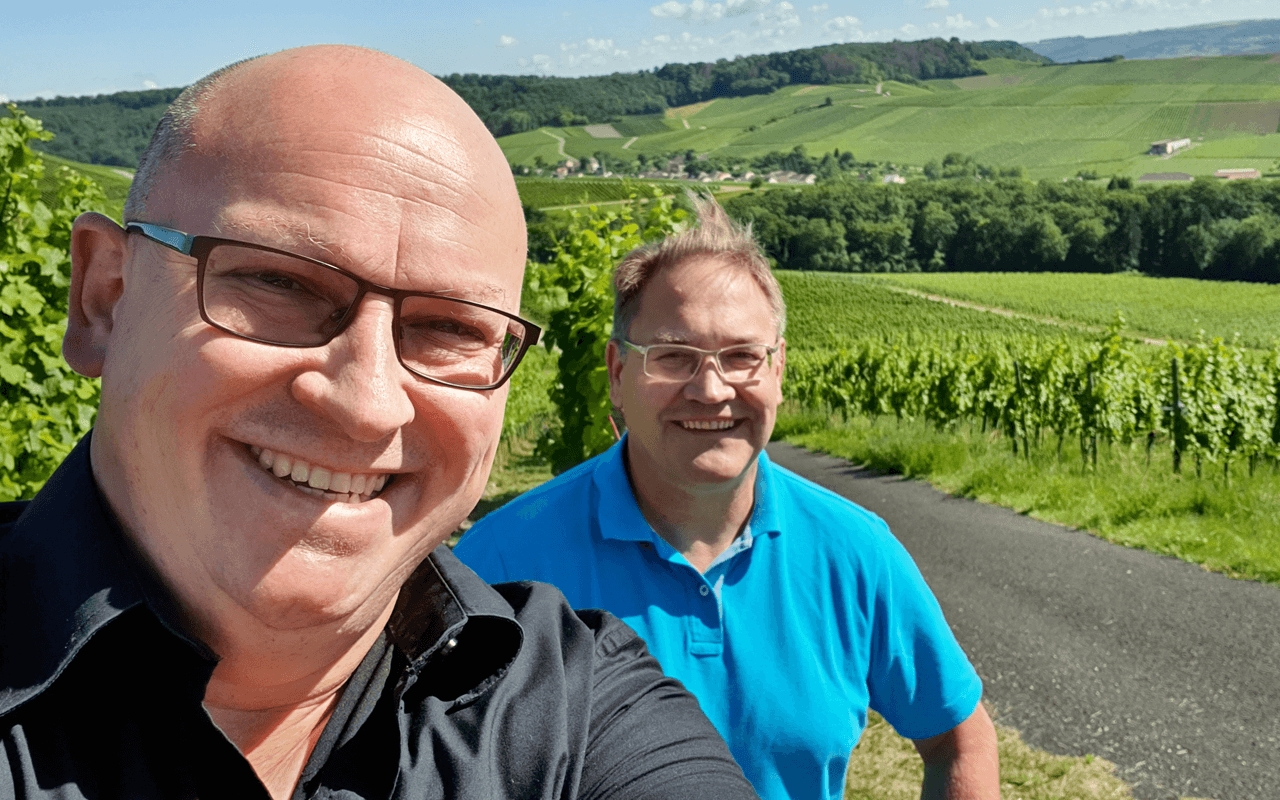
(1028, 388)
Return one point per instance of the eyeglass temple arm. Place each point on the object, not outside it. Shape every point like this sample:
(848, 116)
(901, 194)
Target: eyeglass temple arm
(174, 240)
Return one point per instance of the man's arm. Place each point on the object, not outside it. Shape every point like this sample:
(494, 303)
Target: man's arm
(961, 764)
(649, 737)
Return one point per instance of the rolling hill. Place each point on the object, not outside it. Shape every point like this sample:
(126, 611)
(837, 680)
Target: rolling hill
(1054, 120)
(1215, 39)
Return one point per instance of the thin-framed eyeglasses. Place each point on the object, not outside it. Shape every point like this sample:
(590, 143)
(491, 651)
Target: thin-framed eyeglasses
(279, 298)
(736, 363)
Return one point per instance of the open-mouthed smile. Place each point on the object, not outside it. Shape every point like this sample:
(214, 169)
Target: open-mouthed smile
(341, 487)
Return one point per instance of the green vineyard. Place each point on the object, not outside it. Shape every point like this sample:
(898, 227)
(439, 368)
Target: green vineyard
(1210, 401)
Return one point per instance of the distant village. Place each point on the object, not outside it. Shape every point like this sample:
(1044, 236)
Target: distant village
(685, 168)
(676, 169)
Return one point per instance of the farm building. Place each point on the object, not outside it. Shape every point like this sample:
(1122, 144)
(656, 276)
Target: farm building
(1166, 146)
(1237, 174)
(1153, 177)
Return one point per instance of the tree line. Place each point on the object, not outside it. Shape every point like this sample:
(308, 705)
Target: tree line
(108, 129)
(1206, 229)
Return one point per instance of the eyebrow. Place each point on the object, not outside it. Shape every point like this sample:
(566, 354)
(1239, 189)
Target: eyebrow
(677, 338)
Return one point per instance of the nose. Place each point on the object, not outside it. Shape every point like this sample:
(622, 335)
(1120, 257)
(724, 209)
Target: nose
(359, 383)
(708, 384)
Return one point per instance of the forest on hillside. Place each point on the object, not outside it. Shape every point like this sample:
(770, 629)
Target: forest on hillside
(1206, 229)
(114, 129)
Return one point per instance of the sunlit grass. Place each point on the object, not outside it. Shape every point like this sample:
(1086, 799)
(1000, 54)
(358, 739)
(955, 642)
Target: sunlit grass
(1227, 521)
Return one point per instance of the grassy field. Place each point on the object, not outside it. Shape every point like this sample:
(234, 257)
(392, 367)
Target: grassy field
(1178, 308)
(827, 310)
(1053, 120)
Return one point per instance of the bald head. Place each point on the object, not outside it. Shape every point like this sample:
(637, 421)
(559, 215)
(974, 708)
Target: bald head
(268, 100)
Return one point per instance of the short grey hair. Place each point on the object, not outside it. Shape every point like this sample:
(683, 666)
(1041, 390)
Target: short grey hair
(172, 138)
(715, 235)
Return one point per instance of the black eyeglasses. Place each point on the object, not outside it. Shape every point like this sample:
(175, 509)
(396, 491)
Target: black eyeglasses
(274, 297)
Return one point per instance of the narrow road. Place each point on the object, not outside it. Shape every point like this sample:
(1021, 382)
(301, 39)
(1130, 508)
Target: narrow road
(1169, 671)
(559, 140)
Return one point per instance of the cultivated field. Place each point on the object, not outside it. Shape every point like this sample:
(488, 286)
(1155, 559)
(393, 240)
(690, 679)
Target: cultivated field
(1053, 120)
(1178, 308)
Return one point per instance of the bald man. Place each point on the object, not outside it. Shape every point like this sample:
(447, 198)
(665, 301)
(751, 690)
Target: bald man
(234, 588)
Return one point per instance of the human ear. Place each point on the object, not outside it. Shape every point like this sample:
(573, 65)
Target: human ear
(97, 283)
(613, 360)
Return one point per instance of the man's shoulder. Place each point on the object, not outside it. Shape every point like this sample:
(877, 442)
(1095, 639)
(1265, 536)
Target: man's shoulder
(544, 613)
(799, 497)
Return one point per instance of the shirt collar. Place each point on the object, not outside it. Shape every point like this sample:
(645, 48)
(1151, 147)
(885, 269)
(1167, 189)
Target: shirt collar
(67, 571)
(619, 514)
(62, 578)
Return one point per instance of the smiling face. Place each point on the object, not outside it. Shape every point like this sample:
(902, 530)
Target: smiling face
(301, 485)
(705, 434)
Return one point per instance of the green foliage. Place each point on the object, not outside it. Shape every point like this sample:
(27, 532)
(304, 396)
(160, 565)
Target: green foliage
(575, 293)
(1206, 229)
(46, 408)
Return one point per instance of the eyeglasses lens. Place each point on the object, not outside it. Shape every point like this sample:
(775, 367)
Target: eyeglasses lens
(681, 363)
(285, 300)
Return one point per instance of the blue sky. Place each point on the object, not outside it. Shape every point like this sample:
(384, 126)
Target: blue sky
(90, 48)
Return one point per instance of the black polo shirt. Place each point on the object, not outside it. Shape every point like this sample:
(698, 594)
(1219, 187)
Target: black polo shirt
(471, 691)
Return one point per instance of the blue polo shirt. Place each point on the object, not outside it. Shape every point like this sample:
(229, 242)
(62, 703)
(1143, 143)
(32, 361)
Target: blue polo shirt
(814, 614)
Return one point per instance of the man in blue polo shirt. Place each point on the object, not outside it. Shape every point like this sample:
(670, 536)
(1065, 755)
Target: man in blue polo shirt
(787, 610)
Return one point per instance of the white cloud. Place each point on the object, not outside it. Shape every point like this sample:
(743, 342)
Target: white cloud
(991, 23)
(1112, 7)
(541, 62)
(590, 55)
(959, 23)
(150, 85)
(846, 28)
(909, 29)
(937, 4)
(507, 41)
(702, 11)
(3, 99)
(778, 21)
(820, 8)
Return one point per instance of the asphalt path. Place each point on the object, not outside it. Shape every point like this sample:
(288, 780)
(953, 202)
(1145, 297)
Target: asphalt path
(1169, 671)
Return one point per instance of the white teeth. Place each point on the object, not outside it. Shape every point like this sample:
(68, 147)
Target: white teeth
(339, 482)
(319, 478)
(343, 487)
(707, 424)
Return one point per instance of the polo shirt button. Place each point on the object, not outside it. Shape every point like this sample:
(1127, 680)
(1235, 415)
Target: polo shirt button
(704, 590)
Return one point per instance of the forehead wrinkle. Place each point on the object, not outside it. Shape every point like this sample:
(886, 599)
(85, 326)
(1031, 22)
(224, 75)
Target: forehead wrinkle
(287, 232)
